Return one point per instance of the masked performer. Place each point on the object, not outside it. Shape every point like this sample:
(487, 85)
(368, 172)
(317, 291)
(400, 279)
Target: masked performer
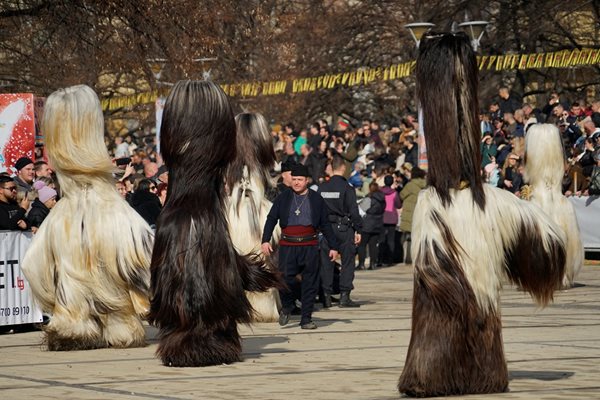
(248, 177)
(88, 264)
(544, 169)
(466, 237)
(198, 279)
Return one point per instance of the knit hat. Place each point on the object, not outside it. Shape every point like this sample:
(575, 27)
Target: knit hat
(22, 163)
(45, 193)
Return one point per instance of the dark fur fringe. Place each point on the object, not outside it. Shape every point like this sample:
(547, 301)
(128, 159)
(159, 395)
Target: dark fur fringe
(257, 274)
(454, 347)
(536, 270)
(56, 342)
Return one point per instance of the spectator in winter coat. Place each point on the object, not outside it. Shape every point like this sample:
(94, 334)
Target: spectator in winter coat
(40, 208)
(507, 101)
(145, 201)
(409, 195)
(390, 215)
(372, 227)
(25, 174)
(488, 150)
(411, 151)
(12, 214)
(512, 179)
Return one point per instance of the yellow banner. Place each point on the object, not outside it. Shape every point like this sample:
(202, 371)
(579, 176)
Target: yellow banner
(365, 76)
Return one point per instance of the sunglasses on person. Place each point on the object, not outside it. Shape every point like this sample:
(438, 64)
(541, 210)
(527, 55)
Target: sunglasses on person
(152, 187)
(11, 188)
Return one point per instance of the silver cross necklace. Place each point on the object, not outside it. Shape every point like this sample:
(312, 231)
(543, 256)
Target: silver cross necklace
(298, 212)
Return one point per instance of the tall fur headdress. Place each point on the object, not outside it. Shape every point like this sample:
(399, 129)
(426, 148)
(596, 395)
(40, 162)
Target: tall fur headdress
(447, 92)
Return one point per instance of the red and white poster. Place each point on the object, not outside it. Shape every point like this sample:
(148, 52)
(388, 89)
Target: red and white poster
(17, 129)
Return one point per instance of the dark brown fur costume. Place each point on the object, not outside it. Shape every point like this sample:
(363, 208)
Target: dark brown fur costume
(198, 279)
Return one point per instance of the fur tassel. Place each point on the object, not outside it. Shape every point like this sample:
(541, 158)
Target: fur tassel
(198, 279)
(544, 163)
(88, 264)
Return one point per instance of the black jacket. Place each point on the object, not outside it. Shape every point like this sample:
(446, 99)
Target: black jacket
(373, 220)
(280, 211)
(10, 214)
(38, 213)
(340, 198)
(147, 205)
(412, 155)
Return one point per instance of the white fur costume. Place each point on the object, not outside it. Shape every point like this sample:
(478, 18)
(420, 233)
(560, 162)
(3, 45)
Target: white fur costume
(247, 212)
(88, 264)
(545, 165)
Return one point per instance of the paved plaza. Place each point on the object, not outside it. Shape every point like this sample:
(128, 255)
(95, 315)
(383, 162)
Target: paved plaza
(552, 353)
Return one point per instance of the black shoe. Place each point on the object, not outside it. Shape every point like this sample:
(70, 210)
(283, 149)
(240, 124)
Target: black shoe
(308, 325)
(346, 301)
(284, 318)
(360, 267)
(327, 301)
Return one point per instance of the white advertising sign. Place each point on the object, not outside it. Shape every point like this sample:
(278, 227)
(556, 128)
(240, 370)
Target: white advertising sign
(16, 300)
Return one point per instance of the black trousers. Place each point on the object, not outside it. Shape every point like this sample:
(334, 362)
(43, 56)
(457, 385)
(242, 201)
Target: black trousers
(294, 260)
(388, 237)
(345, 236)
(371, 240)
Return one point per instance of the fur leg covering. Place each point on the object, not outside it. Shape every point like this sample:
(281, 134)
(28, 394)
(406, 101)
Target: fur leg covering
(198, 278)
(198, 288)
(456, 341)
(65, 333)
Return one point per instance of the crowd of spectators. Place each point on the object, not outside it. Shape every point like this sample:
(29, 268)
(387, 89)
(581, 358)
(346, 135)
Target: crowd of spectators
(383, 161)
(382, 166)
(27, 197)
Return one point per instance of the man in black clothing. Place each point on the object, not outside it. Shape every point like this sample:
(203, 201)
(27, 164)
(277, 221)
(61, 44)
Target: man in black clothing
(411, 150)
(340, 199)
(301, 213)
(12, 215)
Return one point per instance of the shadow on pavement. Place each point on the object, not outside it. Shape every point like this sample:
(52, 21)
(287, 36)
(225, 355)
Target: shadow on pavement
(540, 375)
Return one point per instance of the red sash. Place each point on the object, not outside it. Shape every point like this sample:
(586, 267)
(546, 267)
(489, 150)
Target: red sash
(298, 235)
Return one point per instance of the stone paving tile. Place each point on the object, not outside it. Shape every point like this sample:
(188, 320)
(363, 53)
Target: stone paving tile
(552, 353)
